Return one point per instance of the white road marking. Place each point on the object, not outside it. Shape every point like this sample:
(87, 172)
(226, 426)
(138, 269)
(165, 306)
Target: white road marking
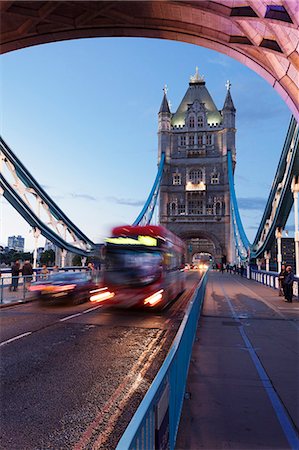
(91, 309)
(15, 338)
(70, 317)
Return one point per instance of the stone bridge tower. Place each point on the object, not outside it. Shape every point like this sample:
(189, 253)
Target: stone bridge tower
(194, 195)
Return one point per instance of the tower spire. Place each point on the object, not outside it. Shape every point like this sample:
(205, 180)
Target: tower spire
(164, 108)
(228, 103)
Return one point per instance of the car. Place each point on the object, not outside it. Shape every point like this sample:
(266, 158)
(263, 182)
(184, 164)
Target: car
(71, 287)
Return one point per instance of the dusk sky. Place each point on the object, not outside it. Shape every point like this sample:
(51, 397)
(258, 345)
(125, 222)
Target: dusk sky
(82, 116)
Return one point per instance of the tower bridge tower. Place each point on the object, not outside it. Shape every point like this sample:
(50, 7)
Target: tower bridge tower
(194, 194)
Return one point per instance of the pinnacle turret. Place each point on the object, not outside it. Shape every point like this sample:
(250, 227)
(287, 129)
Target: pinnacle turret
(228, 103)
(164, 108)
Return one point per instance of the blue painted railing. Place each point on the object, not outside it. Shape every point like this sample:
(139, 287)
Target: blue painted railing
(146, 214)
(156, 421)
(242, 243)
(271, 279)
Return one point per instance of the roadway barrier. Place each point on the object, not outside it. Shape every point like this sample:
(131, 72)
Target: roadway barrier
(271, 279)
(21, 294)
(156, 421)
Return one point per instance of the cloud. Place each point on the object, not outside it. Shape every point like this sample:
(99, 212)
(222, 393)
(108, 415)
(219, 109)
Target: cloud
(85, 196)
(251, 203)
(125, 201)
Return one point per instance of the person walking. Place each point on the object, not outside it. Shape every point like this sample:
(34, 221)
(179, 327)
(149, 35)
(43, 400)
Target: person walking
(288, 285)
(15, 271)
(27, 272)
(281, 278)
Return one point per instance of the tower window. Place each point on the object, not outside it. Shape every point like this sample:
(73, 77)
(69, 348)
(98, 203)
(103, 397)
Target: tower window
(176, 179)
(191, 122)
(191, 139)
(182, 140)
(200, 121)
(181, 209)
(209, 139)
(195, 204)
(171, 209)
(214, 178)
(196, 176)
(218, 209)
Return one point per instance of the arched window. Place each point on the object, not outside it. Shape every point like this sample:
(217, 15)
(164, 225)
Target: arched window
(218, 209)
(200, 139)
(172, 209)
(195, 176)
(191, 122)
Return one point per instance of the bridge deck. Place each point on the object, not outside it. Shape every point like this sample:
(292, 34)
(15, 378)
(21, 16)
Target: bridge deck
(243, 381)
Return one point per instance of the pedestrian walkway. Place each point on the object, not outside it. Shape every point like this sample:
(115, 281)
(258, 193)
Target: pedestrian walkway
(243, 384)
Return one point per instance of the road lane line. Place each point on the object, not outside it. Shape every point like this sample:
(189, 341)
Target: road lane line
(15, 338)
(120, 391)
(92, 309)
(70, 317)
(278, 406)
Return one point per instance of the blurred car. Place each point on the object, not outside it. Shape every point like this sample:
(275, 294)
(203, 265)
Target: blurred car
(73, 287)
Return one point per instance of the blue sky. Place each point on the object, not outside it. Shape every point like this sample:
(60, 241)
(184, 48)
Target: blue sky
(82, 117)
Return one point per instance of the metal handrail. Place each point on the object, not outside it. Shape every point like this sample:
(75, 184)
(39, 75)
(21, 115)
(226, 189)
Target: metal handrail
(160, 409)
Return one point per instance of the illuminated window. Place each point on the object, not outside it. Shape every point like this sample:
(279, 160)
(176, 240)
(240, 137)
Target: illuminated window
(214, 178)
(191, 122)
(209, 139)
(209, 209)
(196, 176)
(200, 121)
(191, 139)
(176, 179)
(182, 140)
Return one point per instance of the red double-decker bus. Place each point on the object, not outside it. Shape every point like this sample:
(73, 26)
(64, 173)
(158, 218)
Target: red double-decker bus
(143, 267)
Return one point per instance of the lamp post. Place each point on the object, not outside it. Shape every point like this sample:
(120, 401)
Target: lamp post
(267, 256)
(278, 235)
(295, 190)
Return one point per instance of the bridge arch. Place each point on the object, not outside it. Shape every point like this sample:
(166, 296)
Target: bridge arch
(262, 37)
(198, 241)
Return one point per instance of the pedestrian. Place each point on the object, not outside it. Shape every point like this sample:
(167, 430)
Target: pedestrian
(15, 271)
(27, 272)
(242, 270)
(288, 285)
(281, 278)
(55, 269)
(44, 273)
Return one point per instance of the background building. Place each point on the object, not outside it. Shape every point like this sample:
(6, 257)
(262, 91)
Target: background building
(16, 243)
(194, 195)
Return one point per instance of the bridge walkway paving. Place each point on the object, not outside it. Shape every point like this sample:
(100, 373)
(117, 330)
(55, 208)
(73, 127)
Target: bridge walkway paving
(243, 384)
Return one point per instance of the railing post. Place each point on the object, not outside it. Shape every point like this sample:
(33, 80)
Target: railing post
(295, 190)
(267, 256)
(278, 234)
(2, 290)
(36, 234)
(63, 255)
(259, 263)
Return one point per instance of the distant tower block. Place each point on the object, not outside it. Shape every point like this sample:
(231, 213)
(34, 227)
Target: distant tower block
(194, 195)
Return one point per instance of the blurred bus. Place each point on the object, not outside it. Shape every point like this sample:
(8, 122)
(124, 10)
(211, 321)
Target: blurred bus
(143, 267)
